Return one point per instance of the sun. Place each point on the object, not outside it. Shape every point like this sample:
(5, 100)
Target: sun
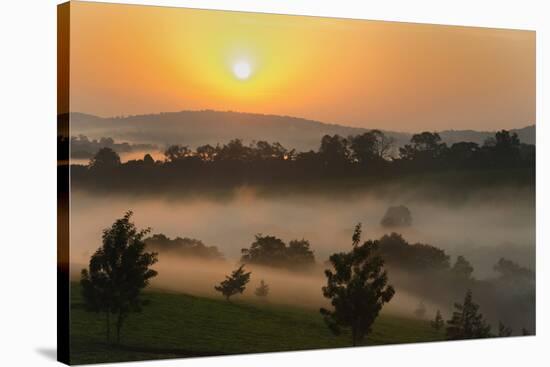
(242, 69)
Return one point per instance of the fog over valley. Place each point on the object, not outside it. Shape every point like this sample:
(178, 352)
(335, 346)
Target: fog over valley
(480, 229)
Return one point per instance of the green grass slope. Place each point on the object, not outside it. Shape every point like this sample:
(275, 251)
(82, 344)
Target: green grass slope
(179, 325)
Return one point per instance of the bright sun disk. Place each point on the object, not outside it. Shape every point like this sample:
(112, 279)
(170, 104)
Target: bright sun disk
(242, 70)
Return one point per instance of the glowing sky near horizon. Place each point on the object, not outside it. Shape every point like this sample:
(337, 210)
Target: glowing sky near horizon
(129, 59)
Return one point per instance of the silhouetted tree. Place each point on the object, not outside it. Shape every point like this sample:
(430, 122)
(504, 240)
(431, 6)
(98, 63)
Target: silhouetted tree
(235, 150)
(234, 284)
(417, 257)
(420, 311)
(118, 272)
(504, 148)
(265, 151)
(370, 147)
(462, 268)
(185, 247)
(383, 144)
(462, 153)
(511, 271)
(262, 290)
(105, 158)
(334, 151)
(357, 288)
(503, 330)
(176, 152)
(397, 216)
(148, 159)
(299, 254)
(438, 322)
(207, 153)
(272, 251)
(265, 250)
(363, 148)
(425, 148)
(466, 322)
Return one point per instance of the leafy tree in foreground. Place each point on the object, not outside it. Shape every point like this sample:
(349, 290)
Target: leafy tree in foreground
(236, 283)
(438, 322)
(466, 322)
(263, 290)
(357, 288)
(118, 272)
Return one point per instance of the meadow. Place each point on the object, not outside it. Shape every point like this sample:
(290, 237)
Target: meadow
(178, 325)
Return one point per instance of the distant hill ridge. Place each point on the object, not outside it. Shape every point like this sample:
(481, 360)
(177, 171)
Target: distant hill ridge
(196, 128)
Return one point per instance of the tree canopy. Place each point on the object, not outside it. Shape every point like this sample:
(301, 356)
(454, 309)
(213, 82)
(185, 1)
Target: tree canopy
(185, 247)
(272, 251)
(262, 290)
(357, 288)
(370, 156)
(234, 283)
(118, 272)
(397, 216)
(467, 322)
(105, 158)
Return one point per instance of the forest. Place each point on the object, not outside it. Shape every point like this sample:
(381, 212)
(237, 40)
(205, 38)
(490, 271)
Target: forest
(368, 158)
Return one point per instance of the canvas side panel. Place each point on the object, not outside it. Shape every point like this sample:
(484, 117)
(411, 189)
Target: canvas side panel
(63, 285)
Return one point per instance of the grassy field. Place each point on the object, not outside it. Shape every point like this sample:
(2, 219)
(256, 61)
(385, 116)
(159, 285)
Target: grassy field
(179, 325)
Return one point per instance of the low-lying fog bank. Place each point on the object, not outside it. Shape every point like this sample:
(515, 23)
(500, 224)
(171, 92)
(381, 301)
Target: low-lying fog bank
(482, 228)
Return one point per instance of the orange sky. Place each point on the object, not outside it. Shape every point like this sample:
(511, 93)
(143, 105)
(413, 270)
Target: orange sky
(128, 59)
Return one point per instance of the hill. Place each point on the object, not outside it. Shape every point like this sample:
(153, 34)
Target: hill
(178, 325)
(196, 128)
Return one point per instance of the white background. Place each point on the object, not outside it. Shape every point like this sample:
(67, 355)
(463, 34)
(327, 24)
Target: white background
(28, 183)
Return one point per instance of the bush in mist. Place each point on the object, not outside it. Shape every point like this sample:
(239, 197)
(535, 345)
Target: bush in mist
(186, 247)
(437, 323)
(425, 271)
(417, 257)
(118, 272)
(397, 216)
(234, 284)
(462, 269)
(467, 322)
(510, 271)
(272, 251)
(263, 290)
(357, 288)
(503, 330)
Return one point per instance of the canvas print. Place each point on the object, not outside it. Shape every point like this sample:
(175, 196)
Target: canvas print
(233, 182)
